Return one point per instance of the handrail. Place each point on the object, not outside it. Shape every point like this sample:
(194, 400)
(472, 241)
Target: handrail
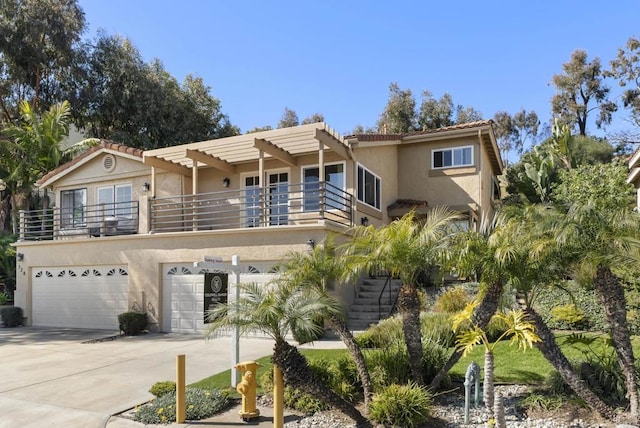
(387, 282)
(275, 205)
(105, 219)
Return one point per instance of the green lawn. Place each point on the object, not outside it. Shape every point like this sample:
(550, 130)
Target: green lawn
(222, 380)
(511, 364)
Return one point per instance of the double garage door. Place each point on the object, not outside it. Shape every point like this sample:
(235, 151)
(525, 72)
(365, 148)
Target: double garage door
(80, 296)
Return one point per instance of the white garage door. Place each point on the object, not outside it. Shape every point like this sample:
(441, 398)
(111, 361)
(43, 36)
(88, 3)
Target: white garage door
(80, 296)
(183, 296)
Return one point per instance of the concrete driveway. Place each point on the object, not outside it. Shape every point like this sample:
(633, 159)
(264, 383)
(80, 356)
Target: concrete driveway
(50, 378)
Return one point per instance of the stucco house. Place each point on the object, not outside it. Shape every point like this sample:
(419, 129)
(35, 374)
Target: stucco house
(128, 228)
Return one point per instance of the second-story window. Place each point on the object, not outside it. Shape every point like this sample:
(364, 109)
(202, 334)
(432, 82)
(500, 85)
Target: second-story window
(334, 187)
(453, 157)
(368, 187)
(115, 200)
(73, 205)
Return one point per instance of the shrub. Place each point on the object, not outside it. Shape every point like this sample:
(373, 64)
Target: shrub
(390, 365)
(161, 388)
(584, 299)
(569, 314)
(200, 404)
(132, 323)
(4, 298)
(11, 316)
(401, 406)
(338, 374)
(383, 334)
(435, 327)
(452, 300)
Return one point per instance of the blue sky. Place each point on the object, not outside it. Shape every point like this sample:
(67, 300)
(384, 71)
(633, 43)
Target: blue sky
(338, 57)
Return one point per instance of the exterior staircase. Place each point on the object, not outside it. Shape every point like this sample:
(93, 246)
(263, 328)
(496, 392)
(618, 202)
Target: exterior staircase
(365, 311)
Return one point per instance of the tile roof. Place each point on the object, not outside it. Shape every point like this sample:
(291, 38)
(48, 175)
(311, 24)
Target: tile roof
(103, 144)
(393, 137)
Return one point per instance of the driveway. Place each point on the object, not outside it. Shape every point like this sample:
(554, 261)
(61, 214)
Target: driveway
(50, 378)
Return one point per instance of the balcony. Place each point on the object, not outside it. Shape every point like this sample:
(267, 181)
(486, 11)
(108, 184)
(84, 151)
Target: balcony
(87, 221)
(272, 206)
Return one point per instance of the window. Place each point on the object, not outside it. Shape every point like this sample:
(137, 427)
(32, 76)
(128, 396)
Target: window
(116, 200)
(72, 212)
(458, 156)
(252, 201)
(334, 187)
(368, 187)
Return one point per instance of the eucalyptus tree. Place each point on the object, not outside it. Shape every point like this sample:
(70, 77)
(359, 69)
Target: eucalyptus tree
(40, 40)
(322, 268)
(404, 248)
(626, 68)
(277, 310)
(580, 91)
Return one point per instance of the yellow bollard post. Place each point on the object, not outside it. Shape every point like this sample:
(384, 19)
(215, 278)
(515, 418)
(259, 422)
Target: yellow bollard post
(181, 392)
(247, 387)
(278, 398)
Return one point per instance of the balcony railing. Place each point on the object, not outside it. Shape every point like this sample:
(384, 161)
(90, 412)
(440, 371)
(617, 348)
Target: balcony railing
(275, 205)
(109, 219)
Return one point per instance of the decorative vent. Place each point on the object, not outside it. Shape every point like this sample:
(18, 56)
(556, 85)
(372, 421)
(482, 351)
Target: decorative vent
(109, 162)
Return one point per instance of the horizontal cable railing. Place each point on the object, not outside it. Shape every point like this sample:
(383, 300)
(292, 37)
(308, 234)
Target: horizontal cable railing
(275, 205)
(108, 219)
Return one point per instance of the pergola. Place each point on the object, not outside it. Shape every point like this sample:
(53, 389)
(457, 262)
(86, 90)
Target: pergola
(224, 154)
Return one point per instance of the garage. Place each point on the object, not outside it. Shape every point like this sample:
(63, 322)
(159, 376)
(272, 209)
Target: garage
(183, 296)
(80, 296)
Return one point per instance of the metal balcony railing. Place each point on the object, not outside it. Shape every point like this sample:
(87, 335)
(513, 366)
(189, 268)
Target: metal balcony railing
(276, 205)
(109, 219)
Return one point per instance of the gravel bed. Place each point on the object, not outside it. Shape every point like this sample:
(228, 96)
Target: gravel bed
(448, 411)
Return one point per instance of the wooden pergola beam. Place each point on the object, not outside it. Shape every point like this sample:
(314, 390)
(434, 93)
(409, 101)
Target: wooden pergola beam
(212, 161)
(332, 144)
(278, 153)
(166, 165)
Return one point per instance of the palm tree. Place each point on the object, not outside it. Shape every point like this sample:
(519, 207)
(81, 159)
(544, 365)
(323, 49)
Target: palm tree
(30, 149)
(279, 309)
(405, 248)
(596, 239)
(518, 328)
(320, 268)
(491, 257)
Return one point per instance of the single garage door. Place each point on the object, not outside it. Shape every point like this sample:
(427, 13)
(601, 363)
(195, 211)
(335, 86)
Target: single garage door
(80, 296)
(183, 296)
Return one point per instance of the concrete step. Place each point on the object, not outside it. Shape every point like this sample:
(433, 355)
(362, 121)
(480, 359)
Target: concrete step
(370, 308)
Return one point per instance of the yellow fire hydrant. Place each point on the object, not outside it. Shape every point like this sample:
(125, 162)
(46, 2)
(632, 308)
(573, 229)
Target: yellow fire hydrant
(247, 387)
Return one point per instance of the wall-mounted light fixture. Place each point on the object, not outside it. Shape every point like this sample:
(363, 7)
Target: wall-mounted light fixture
(311, 244)
(226, 182)
(20, 257)
(145, 187)
(364, 221)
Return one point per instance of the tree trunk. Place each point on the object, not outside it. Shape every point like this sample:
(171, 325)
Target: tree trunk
(19, 202)
(481, 318)
(488, 390)
(409, 308)
(612, 296)
(554, 355)
(299, 375)
(338, 325)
